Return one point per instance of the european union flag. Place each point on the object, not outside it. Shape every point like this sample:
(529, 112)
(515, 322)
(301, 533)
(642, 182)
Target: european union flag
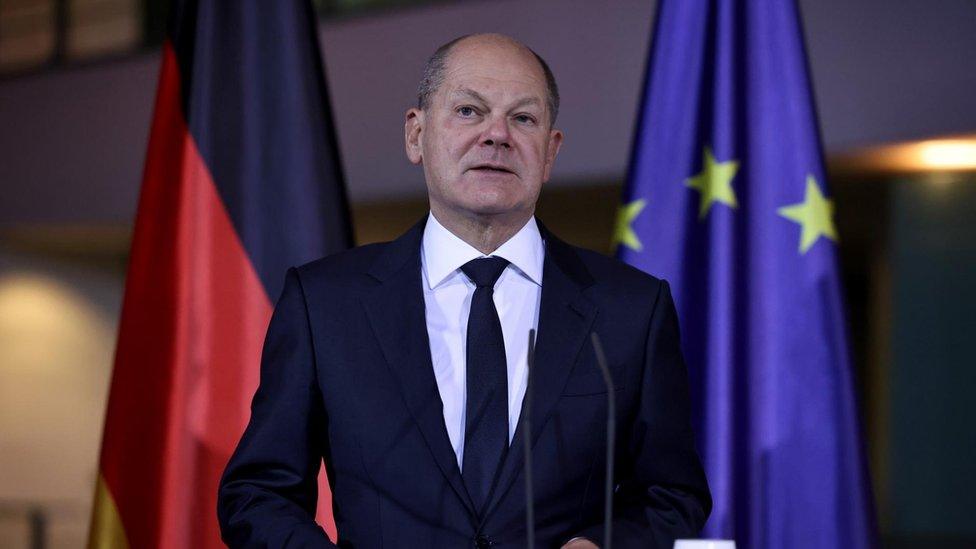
(726, 198)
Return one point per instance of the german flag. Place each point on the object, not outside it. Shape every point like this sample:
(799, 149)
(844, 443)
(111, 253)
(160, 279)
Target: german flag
(242, 180)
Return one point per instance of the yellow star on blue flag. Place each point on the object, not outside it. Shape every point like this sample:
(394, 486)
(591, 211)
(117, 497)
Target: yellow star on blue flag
(623, 232)
(814, 215)
(714, 183)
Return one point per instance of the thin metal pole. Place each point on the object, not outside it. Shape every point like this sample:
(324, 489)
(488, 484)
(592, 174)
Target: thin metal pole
(527, 439)
(611, 437)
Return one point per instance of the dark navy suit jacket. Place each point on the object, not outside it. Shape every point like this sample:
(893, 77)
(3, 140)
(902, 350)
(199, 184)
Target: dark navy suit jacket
(346, 375)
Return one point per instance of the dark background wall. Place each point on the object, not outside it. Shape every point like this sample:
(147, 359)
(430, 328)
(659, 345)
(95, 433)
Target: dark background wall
(73, 140)
(933, 367)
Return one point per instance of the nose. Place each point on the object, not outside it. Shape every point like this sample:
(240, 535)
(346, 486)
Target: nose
(497, 133)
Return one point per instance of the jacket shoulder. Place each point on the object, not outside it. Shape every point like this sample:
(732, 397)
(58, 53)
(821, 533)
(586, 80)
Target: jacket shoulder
(346, 269)
(617, 286)
(617, 275)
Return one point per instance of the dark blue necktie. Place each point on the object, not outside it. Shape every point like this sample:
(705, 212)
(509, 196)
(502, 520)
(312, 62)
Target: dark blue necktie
(486, 412)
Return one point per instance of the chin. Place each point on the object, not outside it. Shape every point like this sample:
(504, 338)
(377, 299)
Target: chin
(493, 202)
(495, 208)
(488, 199)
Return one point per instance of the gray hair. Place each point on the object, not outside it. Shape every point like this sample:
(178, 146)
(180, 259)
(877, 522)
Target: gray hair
(434, 76)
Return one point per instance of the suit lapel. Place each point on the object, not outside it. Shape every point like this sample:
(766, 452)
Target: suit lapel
(565, 319)
(396, 312)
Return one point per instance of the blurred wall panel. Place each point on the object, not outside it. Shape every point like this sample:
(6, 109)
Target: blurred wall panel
(27, 33)
(73, 141)
(100, 27)
(932, 485)
(57, 332)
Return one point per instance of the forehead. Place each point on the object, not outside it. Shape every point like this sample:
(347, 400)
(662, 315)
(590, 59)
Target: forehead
(497, 70)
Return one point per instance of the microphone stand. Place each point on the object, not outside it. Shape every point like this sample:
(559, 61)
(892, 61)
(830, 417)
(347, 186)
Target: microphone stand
(527, 439)
(526, 421)
(608, 485)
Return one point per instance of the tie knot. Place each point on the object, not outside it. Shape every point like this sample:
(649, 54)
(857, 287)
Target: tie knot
(484, 271)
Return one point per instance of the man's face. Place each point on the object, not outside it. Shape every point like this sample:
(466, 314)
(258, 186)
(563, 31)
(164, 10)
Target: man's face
(485, 140)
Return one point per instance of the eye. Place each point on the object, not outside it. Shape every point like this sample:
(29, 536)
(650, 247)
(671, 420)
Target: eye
(466, 111)
(524, 119)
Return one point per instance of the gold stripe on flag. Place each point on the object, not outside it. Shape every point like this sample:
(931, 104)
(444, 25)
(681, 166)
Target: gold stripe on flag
(106, 526)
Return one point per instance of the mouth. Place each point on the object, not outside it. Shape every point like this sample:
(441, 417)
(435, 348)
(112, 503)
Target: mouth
(492, 169)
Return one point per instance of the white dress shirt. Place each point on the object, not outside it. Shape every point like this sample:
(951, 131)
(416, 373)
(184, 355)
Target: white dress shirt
(447, 299)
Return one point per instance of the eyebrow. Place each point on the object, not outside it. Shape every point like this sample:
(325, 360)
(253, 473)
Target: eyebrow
(478, 97)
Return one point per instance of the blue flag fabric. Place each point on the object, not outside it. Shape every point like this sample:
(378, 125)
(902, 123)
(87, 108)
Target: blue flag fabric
(726, 198)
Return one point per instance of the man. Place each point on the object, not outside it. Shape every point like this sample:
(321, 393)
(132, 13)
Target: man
(404, 364)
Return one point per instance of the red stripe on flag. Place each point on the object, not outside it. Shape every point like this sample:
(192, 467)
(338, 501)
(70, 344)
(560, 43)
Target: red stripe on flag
(186, 366)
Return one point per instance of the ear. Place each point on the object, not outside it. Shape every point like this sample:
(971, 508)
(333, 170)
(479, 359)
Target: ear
(412, 130)
(552, 149)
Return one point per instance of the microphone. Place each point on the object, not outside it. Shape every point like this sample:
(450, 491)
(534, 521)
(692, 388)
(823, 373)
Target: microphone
(527, 439)
(526, 422)
(608, 485)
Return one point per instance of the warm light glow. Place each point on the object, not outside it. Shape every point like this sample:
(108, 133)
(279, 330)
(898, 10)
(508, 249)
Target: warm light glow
(935, 155)
(948, 155)
(56, 346)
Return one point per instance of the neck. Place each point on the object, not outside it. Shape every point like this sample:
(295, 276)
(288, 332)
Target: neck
(485, 233)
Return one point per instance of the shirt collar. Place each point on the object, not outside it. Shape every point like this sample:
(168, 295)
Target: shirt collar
(444, 253)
